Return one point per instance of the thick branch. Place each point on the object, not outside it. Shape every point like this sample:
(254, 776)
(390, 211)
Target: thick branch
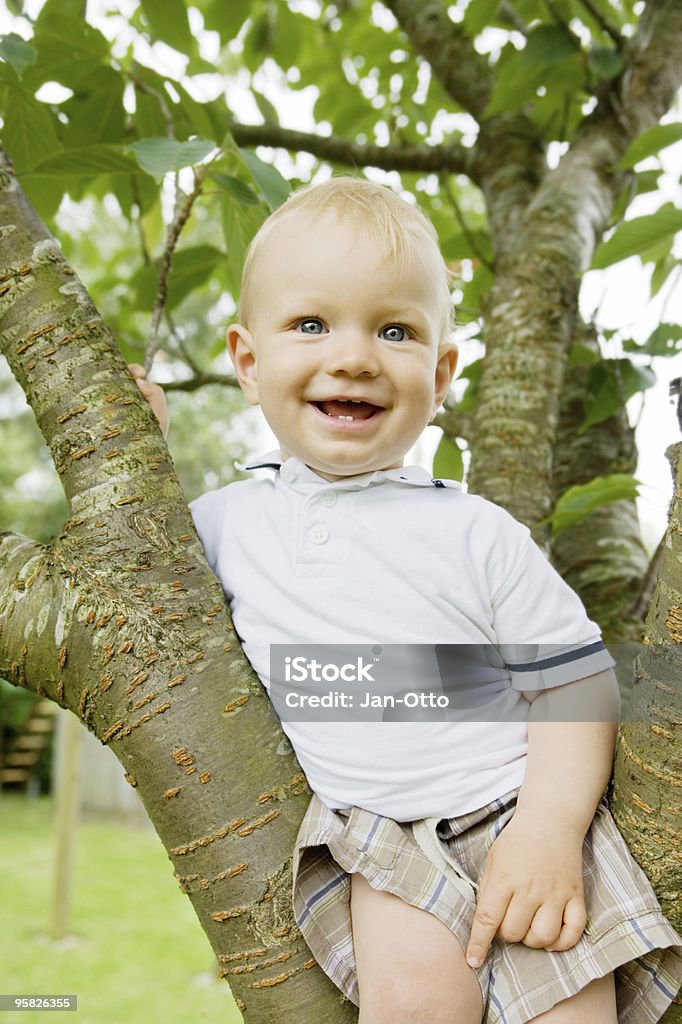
(121, 621)
(462, 71)
(452, 157)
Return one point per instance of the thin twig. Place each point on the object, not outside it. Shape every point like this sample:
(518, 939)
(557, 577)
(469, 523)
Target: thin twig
(199, 381)
(163, 103)
(462, 222)
(179, 220)
(604, 23)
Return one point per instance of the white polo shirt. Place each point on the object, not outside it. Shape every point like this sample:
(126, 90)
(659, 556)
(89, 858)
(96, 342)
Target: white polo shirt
(393, 558)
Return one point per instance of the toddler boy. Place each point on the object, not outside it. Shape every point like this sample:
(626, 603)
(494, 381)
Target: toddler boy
(446, 871)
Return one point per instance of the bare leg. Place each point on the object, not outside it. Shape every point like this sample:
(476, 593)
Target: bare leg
(411, 968)
(595, 1003)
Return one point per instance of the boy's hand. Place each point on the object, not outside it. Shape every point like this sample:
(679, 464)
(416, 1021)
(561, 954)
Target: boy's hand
(154, 395)
(531, 890)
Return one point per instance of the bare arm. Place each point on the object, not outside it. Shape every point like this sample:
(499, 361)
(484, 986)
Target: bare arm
(571, 739)
(532, 889)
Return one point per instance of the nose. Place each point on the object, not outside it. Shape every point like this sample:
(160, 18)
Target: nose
(354, 353)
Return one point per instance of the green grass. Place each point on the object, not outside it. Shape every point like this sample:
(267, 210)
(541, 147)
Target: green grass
(135, 950)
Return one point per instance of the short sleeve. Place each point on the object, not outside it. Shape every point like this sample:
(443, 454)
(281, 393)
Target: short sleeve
(208, 513)
(543, 632)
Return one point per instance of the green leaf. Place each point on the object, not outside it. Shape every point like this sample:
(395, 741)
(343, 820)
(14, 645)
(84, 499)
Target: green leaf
(666, 340)
(69, 51)
(86, 162)
(447, 461)
(190, 268)
(637, 235)
(548, 44)
(158, 156)
(578, 502)
(581, 355)
(478, 15)
(244, 195)
(149, 119)
(473, 292)
(226, 18)
(651, 142)
(647, 181)
(610, 384)
(520, 74)
(240, 224)
(661, 272)
(266, 108)
(29, 133)
(605, 61)
(17, 52)
(475, 244)
(99, 116)
(168, 22)
(274, 187)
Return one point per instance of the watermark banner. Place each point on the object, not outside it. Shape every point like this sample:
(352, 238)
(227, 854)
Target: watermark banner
(448, 682)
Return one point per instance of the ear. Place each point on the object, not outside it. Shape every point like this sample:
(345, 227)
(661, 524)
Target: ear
(242, 352)
(445, 371)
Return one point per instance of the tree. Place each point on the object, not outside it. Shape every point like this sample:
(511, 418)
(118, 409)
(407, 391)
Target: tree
(118, 618)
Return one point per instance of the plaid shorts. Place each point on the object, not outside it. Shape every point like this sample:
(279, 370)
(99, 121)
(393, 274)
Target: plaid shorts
(436, 865)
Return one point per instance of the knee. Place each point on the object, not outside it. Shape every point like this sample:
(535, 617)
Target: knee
(420, 1000)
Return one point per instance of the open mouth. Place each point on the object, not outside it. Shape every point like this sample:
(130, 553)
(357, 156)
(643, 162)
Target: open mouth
(348, 410)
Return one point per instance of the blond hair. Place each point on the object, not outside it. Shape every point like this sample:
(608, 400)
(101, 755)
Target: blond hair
(398, 228)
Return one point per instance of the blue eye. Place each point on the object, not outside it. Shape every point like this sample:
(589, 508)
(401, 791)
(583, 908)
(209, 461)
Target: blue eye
(396, 327)
(304, 324)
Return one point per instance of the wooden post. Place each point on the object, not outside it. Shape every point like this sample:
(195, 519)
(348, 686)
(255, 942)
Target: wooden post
(67, 762)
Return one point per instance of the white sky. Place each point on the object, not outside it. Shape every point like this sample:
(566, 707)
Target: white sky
(619, 294)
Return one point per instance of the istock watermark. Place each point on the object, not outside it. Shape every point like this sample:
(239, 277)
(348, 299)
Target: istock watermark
(451, 682)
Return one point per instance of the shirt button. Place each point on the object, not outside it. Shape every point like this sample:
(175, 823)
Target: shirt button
(319, 534)
(328, 498)
(288, 473)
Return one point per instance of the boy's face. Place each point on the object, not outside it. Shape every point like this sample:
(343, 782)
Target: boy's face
(345, 359)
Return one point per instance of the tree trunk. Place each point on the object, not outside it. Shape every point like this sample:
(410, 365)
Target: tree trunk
(120, 621)
(645, 798)
(602, 557)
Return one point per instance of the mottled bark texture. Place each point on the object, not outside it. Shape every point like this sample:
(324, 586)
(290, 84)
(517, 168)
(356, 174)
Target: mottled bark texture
(602, 557)
(120, 621)
(545, 225)
(645, 798)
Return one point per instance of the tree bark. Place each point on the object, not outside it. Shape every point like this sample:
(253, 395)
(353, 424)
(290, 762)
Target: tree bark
(120, 621)
(602, 557)
(645, 798)
(531, 310)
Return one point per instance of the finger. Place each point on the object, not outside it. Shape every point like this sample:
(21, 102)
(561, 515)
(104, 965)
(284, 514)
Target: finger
(517, 919)
(137, 371)
(491, 908)
(545, 927)
(574, 921)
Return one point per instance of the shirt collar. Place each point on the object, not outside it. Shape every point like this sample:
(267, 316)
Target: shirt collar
(294, 472)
